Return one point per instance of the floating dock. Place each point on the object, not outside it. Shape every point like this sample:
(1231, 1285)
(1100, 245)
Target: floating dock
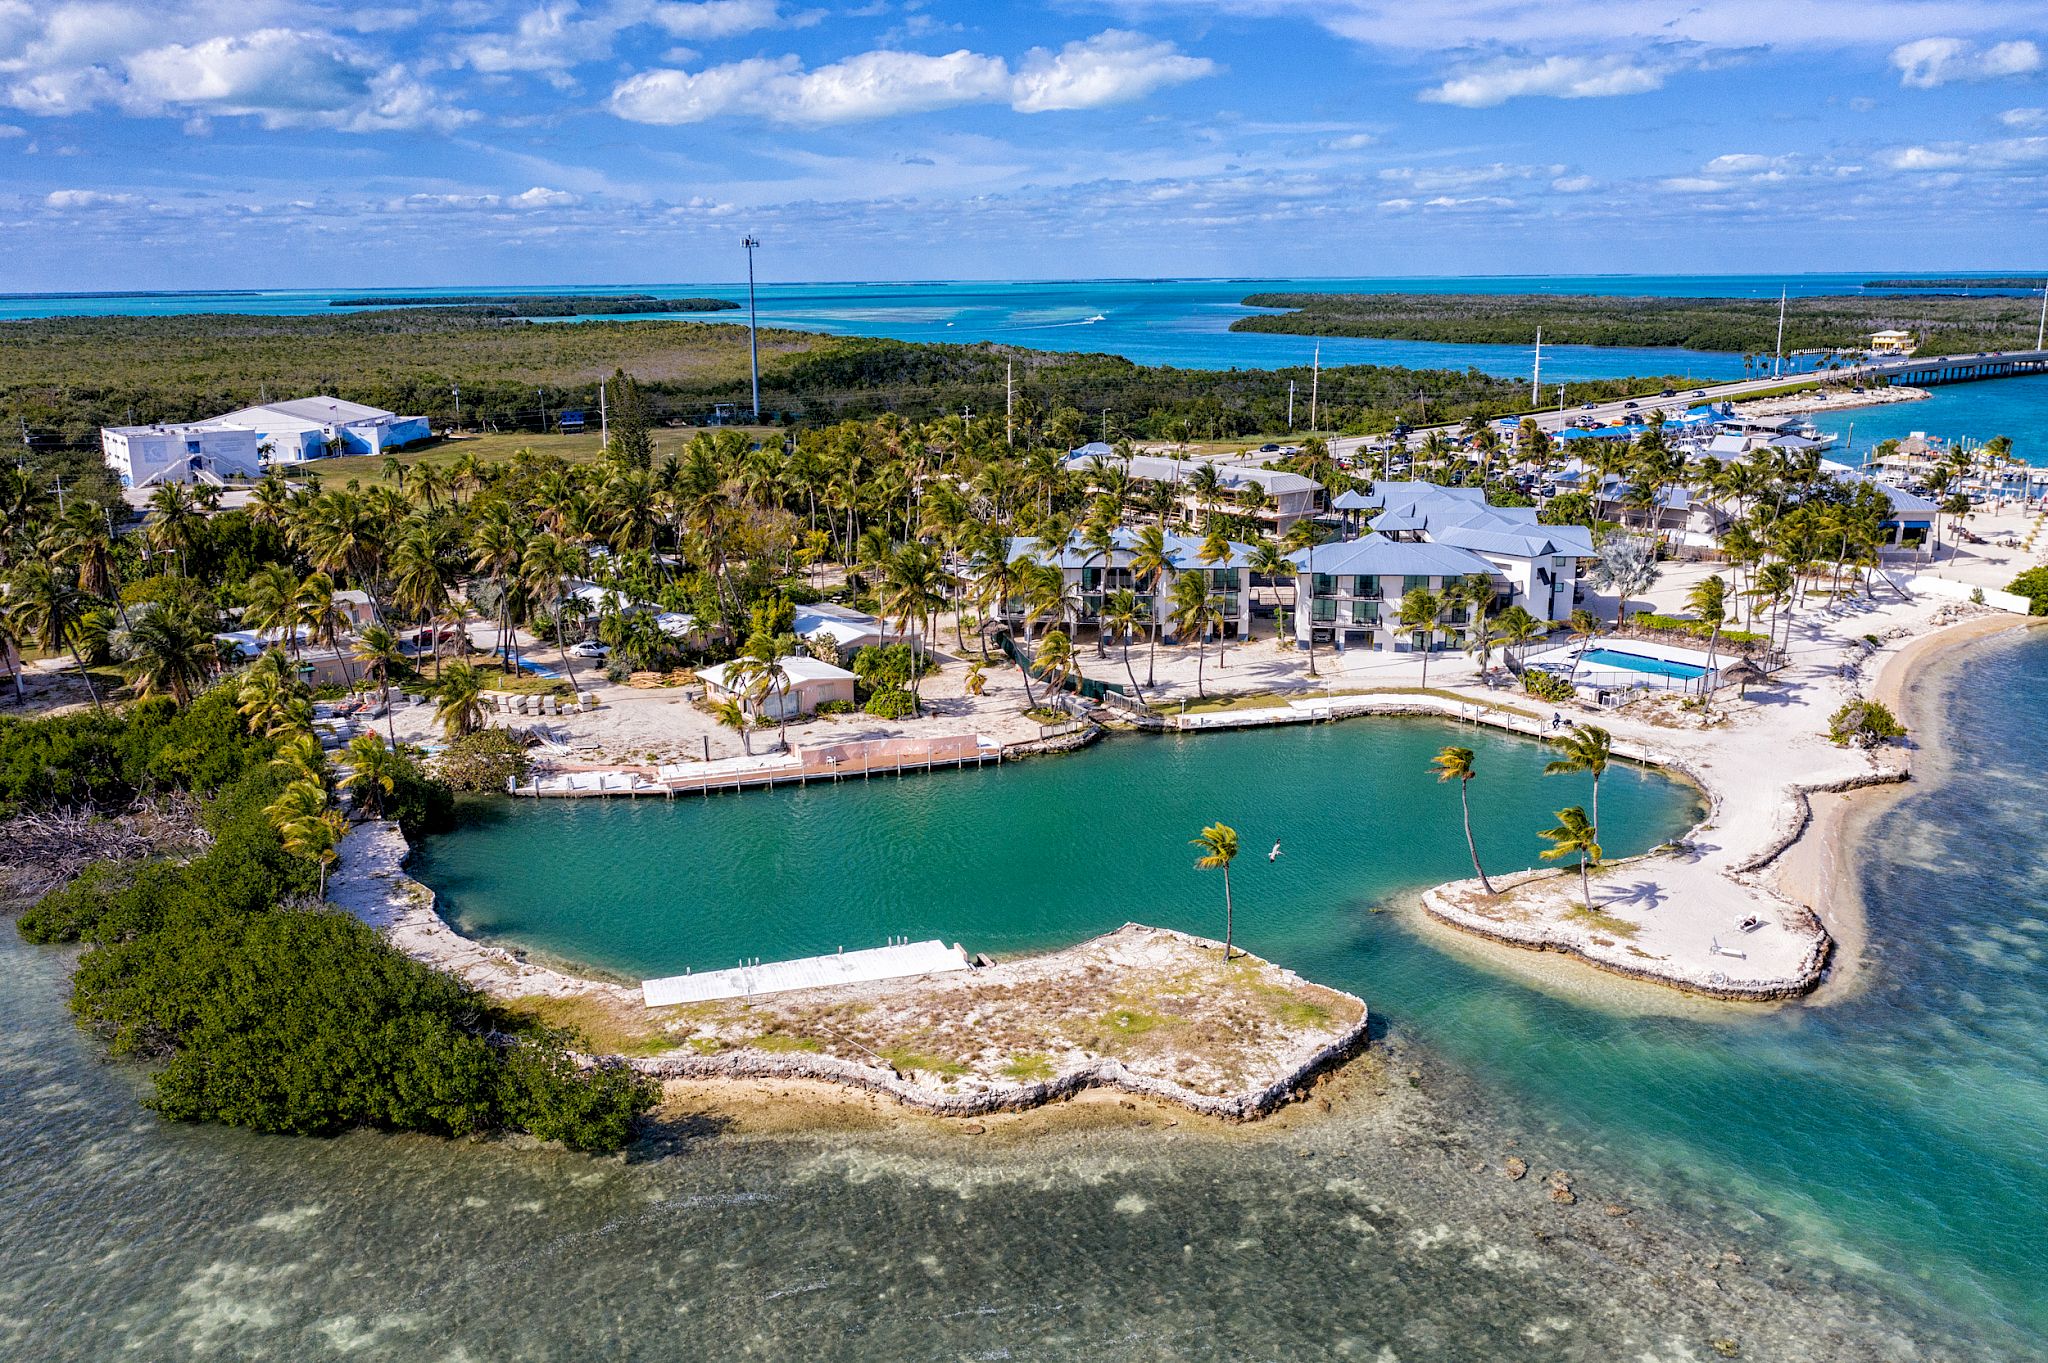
(901, 961)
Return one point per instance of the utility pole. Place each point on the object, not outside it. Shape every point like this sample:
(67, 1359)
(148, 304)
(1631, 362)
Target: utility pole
(1290, 404)
(1778, 365)
(456, 389)
(604, 420)
(2041, 332)
(751, 244)
(1010, 403)
(1536, 374)
(1315, 383)
(542, 398)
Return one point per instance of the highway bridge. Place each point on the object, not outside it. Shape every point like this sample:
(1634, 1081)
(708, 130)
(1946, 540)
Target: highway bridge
(1913, 371)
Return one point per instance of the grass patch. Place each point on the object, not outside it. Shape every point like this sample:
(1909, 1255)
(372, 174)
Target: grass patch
(783, 1042)
(602, 1028)
(907, 1060)
(1130, 1021)
(1028, 1069)
(1600, 921)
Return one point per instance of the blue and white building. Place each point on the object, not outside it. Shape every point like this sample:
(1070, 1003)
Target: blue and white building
(1090, 576)
(1350, 592)
(1538, 564)
(242, 444)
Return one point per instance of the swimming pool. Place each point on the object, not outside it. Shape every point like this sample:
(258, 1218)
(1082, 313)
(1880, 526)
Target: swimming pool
(1636, 662)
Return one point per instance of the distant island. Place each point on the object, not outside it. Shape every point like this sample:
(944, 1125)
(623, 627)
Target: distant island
(1961, 282)
(1741, 325)
(541, 305)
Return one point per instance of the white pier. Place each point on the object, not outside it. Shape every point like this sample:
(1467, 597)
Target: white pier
(810, 972)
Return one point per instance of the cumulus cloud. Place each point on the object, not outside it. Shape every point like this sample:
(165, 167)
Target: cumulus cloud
(76, 58)
(72, 200)
(720, 18)
(1351, 142)
(1574, 184)
(1113, 67)
(1507, 78)
(1930, 62)
(1110, 68)
(2024, 118)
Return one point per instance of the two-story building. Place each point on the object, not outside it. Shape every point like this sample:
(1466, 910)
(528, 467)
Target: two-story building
(1288, 497)
(241, 444)
(1090, 576)
(1538, 563)
(1350, 593)
(187, 452)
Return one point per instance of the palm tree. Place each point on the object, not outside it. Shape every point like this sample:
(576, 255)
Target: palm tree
(460, 707)
(1219, 848)
(733, 715)
(270, 605)
(318, 840)
(1709, 598)
(297, 803)
(166, 650)
(1192, 611)
(1151, 560)
(1585, 627)
(1586, 748)
(911, 593)
(377, 649)
(1303, 537)
(1420, 611)
(976, 680)
(302, 757)
(373, 771)
(1120, 613)
(1575, 834)
(173, 521)
(1455, 764)
(48, 608)
(544, 570)
(1215, 550)
(1056, 662)
(271, 698)
(1518, 629)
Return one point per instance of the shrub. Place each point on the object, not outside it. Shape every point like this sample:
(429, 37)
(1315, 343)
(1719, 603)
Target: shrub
(1866, 724)
(1698, 629)
(1547, 687)
(893, 703)
(483, 761)
(2033, 585)
(835, 707)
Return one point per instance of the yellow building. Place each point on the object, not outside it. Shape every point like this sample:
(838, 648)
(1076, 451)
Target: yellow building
(1893, 343)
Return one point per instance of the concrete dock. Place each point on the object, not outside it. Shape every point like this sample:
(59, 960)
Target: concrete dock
(900, 961)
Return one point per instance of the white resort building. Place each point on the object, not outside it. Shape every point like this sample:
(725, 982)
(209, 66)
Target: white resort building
(241, 444)
(1350, 592)
(1285, 497)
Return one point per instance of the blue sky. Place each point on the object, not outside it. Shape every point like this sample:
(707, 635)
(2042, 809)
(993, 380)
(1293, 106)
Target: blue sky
(268, 143)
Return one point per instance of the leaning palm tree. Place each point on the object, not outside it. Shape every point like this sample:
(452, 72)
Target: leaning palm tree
(1575, 834)
(1587, 748)
(1219, 848)
(297, 802)
(1151, 561)
(1585, 627)
(1455, 764)
(460, 707)
(166, 650)
(1709, 598)
(1192, 611)
(545, 569)
(1421, 610)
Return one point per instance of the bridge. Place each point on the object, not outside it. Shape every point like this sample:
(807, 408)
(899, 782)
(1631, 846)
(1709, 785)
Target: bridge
(1913, 371)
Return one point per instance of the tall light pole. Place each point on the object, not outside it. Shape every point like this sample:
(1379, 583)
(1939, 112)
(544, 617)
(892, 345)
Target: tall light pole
(2041, 332)
(751, 244)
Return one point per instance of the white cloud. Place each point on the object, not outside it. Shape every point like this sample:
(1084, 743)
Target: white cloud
(1929, 62)
(2024, 118)
(70, 200)
(1436, 179)
(90, 56)
(1496, 82)
(2008, 151)
(1112, 67)
(1737, 163)
(542, 197)
(718, 18)
(1574, 184)
(1351, 142)
(1692, 184)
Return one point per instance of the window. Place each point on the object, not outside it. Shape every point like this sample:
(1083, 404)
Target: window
(1325, 584)
(1324, 610)
(1366, 588)
(1365, 612)
(1412, 583)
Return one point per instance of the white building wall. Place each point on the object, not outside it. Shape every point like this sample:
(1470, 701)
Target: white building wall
(140, 454)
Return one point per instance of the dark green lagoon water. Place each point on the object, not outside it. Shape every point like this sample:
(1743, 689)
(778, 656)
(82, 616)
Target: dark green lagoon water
(1877, 1165)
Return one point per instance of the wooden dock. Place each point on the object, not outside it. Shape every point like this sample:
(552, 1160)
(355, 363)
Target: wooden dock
(853, 759)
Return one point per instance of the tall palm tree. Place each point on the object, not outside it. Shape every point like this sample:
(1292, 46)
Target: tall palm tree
(911, 593)
(270, 605)
(173, 525)
(1151, 560)
(1575, 834)
(1302, 538)
(1192, 611)
(318, 840)
(460, 706)
(544, 570)
(1215, 551)
(1586, 749)
(1709, 600)
(377, 649)
(1585, 627)
(1518, 629)
(166, 650)
(1120, 614)
(1056, 662)
(325, 620)
(1421, 609)
(1455, 764)
(47, 607)
(1219, 848)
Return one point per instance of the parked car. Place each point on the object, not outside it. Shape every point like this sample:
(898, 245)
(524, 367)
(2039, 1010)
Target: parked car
(589, 648)
(1628, 406)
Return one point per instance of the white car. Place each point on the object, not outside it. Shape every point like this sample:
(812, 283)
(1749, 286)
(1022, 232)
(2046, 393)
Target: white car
(589, 648)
